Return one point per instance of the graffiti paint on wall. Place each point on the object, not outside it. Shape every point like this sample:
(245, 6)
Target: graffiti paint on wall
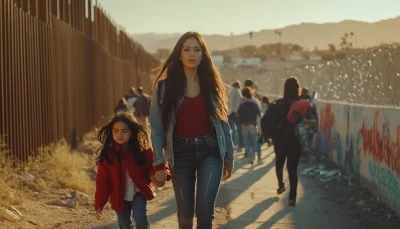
(331, 141)
(384, 177)
(327, 120)
(378, 143)
(352, 160)
(364, 141)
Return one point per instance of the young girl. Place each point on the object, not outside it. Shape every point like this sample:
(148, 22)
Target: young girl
(124, 170)
(189, 119)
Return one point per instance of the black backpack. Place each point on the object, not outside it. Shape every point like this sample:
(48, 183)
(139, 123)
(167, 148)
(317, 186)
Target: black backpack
(272, 123)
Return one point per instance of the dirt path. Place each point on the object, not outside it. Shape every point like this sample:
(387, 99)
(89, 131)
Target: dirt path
(247, 200)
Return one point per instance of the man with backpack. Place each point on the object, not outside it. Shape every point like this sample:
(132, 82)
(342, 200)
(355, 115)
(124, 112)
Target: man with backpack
(142, 106)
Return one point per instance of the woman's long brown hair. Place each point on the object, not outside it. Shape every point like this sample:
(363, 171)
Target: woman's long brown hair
(172, 72)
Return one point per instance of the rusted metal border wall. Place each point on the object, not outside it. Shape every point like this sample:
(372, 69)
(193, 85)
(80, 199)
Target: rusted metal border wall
(63, 66)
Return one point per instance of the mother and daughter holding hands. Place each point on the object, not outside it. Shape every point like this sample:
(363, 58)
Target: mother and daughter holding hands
(191, 142)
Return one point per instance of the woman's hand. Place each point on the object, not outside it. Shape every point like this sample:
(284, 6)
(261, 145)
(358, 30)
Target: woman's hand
(159, 178)
(227, 172)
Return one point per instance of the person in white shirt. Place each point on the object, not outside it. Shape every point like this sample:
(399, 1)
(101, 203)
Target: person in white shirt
(131, 98)
(235, 96)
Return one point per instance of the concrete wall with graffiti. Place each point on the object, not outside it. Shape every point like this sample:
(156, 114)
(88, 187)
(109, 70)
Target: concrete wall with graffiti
(365, 142)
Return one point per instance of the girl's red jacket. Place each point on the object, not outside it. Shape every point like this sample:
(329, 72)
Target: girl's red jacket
(111, 178)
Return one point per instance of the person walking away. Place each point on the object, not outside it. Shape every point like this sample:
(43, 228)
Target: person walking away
(311, 130)
(131, 98)
(142, 106)
(250, 83)
(265, 101)
(121, 106)
(234, 99)
(287, 146)
(248, 113)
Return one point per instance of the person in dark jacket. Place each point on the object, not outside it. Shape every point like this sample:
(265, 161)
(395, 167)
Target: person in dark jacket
(287, 146)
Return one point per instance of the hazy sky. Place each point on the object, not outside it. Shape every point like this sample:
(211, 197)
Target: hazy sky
(240, 16)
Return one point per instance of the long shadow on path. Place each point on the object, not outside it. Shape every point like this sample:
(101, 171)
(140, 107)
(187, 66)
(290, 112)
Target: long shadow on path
(252, 214)
(228, 192)
(233, 188)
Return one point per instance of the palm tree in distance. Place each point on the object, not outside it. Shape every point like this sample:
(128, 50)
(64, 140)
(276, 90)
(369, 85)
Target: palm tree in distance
(251, 37)
(279, 33)
(352, 39)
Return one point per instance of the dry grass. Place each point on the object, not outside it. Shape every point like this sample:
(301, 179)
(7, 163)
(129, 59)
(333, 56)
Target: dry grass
(68, 169)
(55, 166)
(53, 169)
(8, 196)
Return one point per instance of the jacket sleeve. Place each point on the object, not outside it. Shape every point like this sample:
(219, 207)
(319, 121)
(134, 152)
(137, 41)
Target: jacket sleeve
(229, 158)
(152, 169)
(157, 129)
(103, 186)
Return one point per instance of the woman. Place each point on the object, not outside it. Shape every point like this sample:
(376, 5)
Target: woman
(286, 144)
(188, 118)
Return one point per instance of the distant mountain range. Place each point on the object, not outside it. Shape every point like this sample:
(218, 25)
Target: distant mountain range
(308, 35)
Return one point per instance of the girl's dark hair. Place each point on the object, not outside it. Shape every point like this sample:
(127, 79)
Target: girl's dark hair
(138, 142)
(175, 81)
(292, 88)
(247, 92)
(265, 99)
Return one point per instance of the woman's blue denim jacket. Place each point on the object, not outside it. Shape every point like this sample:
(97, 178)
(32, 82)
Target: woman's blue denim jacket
(162, 140)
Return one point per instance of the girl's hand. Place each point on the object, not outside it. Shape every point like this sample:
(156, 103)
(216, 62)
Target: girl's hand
(98, 214)
(156, 182)
(227, 172)
(160, 176)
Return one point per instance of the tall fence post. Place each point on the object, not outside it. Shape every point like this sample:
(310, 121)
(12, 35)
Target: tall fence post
(58, 72)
